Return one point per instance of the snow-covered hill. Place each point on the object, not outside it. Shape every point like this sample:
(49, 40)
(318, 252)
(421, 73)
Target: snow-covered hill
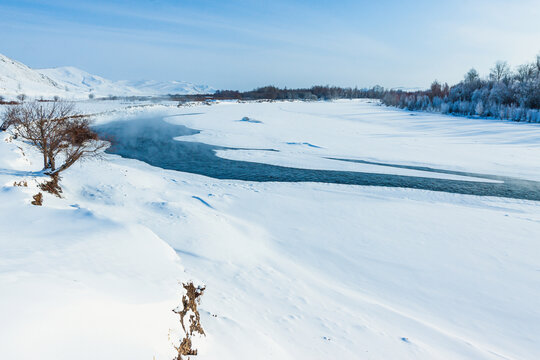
(17, 78)
(152, 87)
(73, 83)
(81, 82)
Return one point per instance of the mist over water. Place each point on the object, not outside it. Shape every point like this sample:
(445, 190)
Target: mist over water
(152, 140)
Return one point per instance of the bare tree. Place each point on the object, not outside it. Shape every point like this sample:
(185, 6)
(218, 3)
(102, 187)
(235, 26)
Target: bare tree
(500, 71)
(56, 130)
(525, 72)
(472, 75)
(21, 97)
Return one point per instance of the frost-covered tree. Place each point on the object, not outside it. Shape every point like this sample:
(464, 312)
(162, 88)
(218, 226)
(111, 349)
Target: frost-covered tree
(504, 94)
(472, 76)
(479, 108)
(500, 71)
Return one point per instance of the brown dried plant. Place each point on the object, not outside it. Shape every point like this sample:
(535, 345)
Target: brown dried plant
(38, 199)
(52, 186)
(190, 301)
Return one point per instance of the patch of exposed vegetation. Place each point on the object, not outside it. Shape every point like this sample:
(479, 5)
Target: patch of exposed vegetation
(190, 319)
(38, 199)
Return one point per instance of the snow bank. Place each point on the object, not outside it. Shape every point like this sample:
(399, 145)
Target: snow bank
(76, 284)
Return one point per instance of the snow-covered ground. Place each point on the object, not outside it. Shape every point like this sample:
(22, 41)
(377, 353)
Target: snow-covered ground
(293, 270)
(304, 133)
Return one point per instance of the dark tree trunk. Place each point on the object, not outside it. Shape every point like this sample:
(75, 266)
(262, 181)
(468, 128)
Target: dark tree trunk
(64, 166)
(52, 163)
(45, 161)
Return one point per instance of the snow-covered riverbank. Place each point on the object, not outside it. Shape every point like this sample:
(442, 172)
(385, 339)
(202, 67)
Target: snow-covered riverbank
(293, 270)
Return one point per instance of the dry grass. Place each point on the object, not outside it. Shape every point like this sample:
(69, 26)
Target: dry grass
(190, 301)
(52, 186)
(38, 199)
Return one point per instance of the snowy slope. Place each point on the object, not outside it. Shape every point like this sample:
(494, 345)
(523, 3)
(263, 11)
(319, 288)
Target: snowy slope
(73, 83)
(71, 279)
(80, 81)
(293, 270)
(17, 78)
(152, 87)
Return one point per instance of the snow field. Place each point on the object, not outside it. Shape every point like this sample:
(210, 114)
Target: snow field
(293, 270)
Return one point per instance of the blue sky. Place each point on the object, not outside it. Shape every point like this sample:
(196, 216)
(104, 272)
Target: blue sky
(239, 44)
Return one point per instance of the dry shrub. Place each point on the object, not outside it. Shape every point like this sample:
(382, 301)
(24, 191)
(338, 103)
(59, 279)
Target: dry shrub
(20, 183)
(3, 102)
(38, 199)
(190, 301)
(54, 128)
(52, 186)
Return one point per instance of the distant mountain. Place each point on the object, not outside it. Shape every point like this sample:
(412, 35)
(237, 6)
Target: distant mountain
(407, 89)
(73, 83)
(152, 87)
(17, 78)
(79, 81)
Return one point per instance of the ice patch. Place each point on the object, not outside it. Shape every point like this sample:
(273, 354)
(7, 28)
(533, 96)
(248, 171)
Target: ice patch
(249, 120)
(304, 143)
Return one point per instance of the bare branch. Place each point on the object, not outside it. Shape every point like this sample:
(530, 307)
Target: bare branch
(56, 129)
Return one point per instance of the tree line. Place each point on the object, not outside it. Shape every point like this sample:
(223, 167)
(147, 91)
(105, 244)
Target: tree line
(313, 93)
(504, 94)
(275, 93)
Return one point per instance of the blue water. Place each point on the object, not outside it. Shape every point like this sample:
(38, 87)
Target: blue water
(151, 140)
